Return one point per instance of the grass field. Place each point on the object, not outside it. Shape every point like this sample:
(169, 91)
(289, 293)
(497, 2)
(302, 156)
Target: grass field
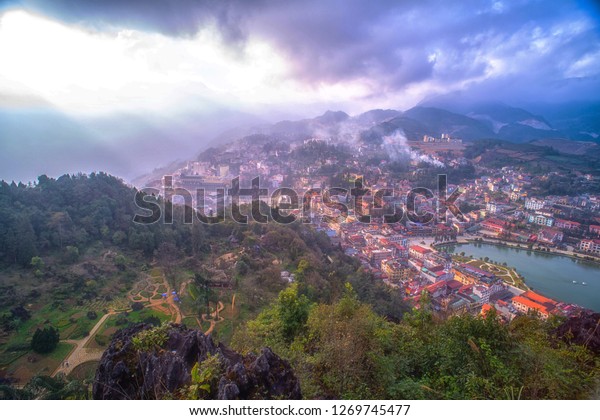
(122, 320)
(72, 324)
(31, 363)
(84, 371)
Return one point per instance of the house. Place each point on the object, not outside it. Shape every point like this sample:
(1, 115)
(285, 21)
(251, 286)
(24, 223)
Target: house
(566, 224)
(494, 225)
(528, 306)
(436, 274)
(437, 289)
(435, 259)
(418, 252)
(485, 309)
(541, 219)
(534, 204)
(595, 230)
(400, 251)
(467, 274)
(396, 271)
(590, 245)
(551, 236)
(534, 303)
(378, 255)
(500, 307)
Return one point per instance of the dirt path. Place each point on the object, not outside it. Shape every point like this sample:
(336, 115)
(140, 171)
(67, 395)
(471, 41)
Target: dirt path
(183, 286)
(174, 310)
(80, 353)
(213, 320)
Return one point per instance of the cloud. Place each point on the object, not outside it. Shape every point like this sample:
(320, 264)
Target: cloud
(387, 47)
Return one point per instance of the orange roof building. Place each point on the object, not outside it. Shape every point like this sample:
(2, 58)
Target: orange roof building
(536, 297)
(525, 305)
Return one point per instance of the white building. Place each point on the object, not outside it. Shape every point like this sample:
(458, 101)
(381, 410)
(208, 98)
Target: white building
(534, 204)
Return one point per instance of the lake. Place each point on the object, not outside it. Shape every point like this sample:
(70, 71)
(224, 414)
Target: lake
(551, 275)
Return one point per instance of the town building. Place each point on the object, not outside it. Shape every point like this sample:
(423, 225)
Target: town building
(534, 303)
(418, 252)
(590, 245)
(534, 204)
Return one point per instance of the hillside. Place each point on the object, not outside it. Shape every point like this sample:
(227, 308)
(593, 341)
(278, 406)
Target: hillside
(344, 335)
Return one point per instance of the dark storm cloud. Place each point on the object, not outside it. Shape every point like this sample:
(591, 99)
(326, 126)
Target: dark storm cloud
(170, 17)
(388, 44)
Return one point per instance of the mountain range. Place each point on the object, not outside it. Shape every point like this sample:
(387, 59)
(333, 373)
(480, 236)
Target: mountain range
(491, 120)
(130, 145)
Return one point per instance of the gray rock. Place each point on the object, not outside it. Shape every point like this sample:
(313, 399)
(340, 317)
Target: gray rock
(125, 373)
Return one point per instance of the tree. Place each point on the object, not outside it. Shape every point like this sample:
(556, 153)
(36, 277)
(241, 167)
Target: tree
(201, 292)
(348, 335)
(121, 262)
(71, 254)
(167, 254)
(45, 341)
(20, 312)
(21, 241)
(119, 237)
(293, 311)
(37, 263)
(137, 306)
(59, 221)
(46, 388)
(242, 268)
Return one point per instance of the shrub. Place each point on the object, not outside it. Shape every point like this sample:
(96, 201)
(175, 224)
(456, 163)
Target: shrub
(100, 340)
(20, 312)
(92, 315)
(46, 340)
(152, 320)
(137, 306)
(204, 378)
(71, 254)
(121, 321)
(152, 339)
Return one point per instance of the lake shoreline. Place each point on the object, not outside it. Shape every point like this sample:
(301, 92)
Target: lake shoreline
(561, 277)
(590, 259)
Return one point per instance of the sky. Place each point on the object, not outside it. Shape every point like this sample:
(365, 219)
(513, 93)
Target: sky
(127, 85)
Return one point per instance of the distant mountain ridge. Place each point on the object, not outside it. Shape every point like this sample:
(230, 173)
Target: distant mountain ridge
(532, 121)
(468, 121)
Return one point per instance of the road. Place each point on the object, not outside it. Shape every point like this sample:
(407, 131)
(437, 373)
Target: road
(80, 353)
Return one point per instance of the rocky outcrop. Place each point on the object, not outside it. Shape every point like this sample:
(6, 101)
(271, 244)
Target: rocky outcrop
(127, 373)
(583, 330)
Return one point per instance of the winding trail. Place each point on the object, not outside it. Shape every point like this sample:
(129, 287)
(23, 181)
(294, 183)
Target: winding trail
(214, 318)
(174, 310)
